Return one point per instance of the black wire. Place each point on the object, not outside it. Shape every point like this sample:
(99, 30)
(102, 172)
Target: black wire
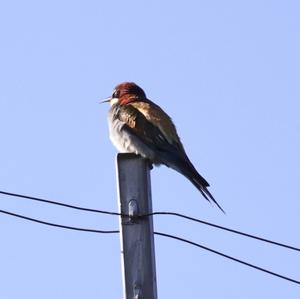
(227, 256)
(226, 229)
(59, 203)
(60, 225)
(152, 214)
(156, 233)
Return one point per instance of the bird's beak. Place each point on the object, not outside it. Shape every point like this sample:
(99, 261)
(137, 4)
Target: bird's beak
(107, 100)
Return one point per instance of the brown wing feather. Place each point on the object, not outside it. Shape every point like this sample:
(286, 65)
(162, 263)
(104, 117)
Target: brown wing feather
(155, 115)
(141, 127)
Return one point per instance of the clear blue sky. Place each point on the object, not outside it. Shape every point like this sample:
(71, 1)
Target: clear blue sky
(228, 74)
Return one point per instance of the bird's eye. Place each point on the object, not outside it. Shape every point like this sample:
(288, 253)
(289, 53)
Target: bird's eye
(115, 94)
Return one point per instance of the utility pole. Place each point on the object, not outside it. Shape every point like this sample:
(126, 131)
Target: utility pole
(137, 241)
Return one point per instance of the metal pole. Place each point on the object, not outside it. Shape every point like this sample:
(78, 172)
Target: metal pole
(137, 241)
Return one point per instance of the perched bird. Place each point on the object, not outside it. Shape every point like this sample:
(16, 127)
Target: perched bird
(139, 126)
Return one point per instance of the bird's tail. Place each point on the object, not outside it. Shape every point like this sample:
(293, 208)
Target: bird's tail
(182, 164)
(186, 168)
(204, 191)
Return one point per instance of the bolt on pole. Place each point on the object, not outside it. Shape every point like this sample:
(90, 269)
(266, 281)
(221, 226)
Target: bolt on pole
(137, 241)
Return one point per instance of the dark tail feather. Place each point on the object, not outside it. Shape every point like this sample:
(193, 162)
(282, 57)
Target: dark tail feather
(204, 191)
(183, 165)
(201, 184)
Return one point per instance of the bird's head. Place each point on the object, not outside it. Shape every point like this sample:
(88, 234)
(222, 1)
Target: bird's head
(125, 93)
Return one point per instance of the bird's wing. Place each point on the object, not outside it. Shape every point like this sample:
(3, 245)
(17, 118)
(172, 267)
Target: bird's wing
(136, 123)
(157, 117)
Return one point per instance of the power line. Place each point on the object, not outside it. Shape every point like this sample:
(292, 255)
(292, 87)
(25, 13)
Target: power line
(60, 225)
(156, 233)
(59, 203)
(153, 214)
(227, 229)
(227, 256)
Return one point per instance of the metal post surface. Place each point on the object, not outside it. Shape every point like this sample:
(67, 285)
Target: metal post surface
(137, 241)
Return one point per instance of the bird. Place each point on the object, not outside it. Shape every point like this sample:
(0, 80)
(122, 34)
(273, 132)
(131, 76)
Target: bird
(138, 125)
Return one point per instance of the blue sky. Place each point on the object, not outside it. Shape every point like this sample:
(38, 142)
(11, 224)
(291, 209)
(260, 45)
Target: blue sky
(227, 72)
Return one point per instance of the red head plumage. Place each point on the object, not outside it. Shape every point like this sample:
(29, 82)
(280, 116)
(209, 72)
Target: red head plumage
(128, 92)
